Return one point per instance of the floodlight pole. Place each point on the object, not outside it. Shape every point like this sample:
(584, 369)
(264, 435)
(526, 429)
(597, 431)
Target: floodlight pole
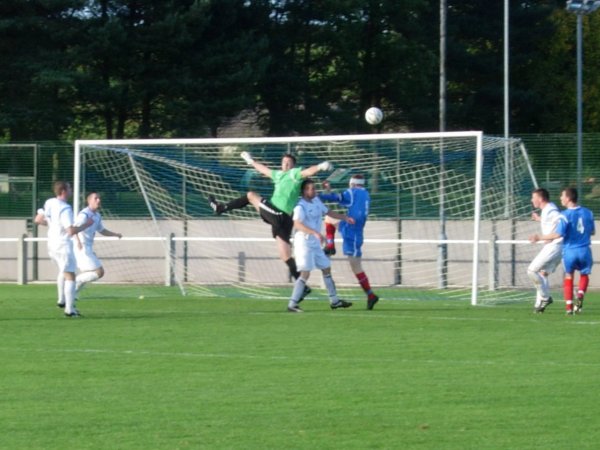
(443, 247)
(579, 102)
(580, 8)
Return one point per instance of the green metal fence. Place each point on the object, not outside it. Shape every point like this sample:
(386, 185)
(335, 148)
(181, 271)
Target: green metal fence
(27, 170)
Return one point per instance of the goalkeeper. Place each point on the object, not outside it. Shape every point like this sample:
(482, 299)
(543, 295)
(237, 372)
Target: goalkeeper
(356, 199)
(277, 210)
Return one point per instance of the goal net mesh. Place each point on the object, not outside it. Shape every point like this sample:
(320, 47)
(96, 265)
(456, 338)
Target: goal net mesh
(418, 240)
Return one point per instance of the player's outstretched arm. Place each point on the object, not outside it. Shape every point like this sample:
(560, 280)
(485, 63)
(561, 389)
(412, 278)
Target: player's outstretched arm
(313, 170)
(544, 237)
(109, 233)
(340, 216)
(259, 167)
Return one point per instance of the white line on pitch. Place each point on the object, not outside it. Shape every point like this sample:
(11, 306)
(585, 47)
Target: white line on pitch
(350, 360)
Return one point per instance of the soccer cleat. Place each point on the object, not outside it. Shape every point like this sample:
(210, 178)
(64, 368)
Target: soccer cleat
(60, 305)
(543, 305)
(569, 312)
(215, 206)
(329, 251)
(371, 302)
(294, 309)
(73, 313)
(307, 290)
(578, 307)
(341, 304)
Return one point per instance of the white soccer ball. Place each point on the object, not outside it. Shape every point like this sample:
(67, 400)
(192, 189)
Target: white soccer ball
(141, 297)
(373, 116)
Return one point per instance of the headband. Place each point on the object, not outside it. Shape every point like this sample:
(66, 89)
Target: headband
(357, 181)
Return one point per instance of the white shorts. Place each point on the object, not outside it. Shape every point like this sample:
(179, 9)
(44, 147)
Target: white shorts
(547, 260)
(308, 256)
(63, 257)
(86, 259)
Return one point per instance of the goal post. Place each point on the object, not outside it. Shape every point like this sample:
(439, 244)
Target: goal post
(460, 182)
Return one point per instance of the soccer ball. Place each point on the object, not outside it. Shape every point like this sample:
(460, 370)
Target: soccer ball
(373, 115)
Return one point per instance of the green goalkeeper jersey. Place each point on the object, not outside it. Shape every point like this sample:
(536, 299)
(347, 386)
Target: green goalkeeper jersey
(287, 188)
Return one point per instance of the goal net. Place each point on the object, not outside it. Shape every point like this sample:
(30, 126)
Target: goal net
(449, 217)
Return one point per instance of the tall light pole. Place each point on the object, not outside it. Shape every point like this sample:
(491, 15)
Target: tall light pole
(443, 247)
(580, 8)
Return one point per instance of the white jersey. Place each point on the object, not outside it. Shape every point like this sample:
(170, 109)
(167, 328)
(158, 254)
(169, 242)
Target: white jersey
(310, 213)
(87, 236)
(59, 216)
(549, 220)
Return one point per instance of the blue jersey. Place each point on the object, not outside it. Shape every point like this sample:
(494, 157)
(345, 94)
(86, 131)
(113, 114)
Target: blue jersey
(357, 201)
(576, 226)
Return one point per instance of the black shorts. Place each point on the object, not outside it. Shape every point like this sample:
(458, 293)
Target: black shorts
(281, 222)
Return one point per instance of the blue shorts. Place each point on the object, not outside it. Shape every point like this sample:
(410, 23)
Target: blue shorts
(578, 258)
(353, 240)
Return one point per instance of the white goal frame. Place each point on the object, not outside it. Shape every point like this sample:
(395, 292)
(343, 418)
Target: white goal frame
(476, 135)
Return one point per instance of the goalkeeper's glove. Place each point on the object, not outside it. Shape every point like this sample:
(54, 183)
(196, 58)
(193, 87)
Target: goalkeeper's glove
(325, 166)
(247, 157)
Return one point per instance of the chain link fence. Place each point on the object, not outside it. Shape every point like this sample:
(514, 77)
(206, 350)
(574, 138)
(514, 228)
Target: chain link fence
(27, 170)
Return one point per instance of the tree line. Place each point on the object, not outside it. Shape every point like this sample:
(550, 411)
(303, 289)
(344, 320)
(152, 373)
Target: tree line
(187, 68)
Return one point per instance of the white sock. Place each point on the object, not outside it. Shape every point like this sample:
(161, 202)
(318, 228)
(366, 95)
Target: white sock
(60, 286)
(538, 282)
(69, 296)
(331, 290)
(545, 288)
(85, 277)
(299, 285)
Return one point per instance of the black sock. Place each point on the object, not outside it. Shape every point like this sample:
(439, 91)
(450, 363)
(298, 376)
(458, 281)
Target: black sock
(237, 203)
(291, 263)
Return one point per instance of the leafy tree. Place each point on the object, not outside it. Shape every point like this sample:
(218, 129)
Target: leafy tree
(36, 74)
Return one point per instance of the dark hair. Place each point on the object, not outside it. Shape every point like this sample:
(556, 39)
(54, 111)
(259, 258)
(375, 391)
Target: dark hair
(289, 155)
(571, 194)
(305, 183)
(543, 193)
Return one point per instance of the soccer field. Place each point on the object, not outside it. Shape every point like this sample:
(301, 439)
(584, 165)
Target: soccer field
(172, 372)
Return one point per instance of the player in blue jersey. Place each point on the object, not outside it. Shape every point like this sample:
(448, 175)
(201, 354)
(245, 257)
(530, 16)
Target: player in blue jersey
(356, 199)
(576, 226)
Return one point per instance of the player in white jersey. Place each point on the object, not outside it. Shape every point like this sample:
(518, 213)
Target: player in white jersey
(550, 255)
(57, 214)
(89, 265)
(308, 218)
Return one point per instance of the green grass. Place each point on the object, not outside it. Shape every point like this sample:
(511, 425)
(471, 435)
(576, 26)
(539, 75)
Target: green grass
(171, 372)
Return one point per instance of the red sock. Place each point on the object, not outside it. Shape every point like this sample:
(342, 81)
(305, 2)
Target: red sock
(584, 280)
(364, 283)
(330, 234)
(568, 292)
